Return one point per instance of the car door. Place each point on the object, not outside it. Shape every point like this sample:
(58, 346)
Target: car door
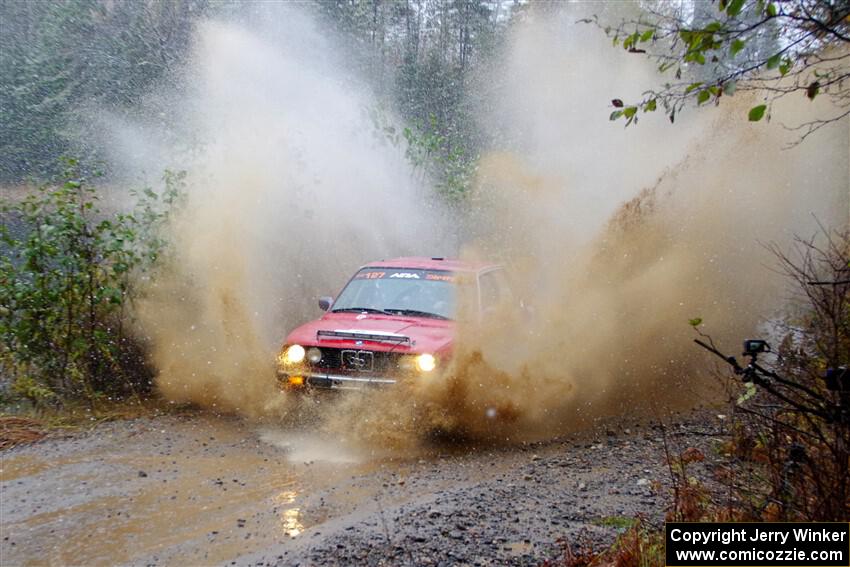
(494, 292)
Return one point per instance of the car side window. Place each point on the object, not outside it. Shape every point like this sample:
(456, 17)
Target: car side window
(491, 293)
(505, 291)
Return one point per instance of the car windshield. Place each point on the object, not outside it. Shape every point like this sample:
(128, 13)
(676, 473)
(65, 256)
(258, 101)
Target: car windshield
(400, 291)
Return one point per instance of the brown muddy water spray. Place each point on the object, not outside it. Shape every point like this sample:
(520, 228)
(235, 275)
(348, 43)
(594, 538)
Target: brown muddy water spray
(289, 190)
(618, 238)
(615, 238)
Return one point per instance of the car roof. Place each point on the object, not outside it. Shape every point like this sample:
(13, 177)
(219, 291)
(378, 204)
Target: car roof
(435, 263)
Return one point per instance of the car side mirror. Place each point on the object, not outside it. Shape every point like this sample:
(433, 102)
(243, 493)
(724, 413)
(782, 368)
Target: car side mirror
(325, 302)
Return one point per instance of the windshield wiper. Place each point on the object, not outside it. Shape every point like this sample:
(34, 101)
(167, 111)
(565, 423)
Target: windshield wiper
(417, 313)
(360, 310)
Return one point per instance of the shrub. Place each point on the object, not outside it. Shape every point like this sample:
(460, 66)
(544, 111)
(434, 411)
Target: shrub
(797, 422)
(69, 273)
(789, 454)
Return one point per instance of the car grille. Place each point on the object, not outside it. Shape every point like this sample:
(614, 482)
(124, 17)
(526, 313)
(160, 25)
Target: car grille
(357, 361)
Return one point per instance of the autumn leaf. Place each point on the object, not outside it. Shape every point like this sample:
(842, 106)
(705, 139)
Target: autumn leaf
(812, 90)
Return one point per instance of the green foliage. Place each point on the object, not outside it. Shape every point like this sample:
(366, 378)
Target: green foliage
(756, 113)
(749, 392)
(420, 57)
(619, 522)
(798, 46)
(736, 46)
(734, 8)
(434, 153)
(57, 59)
(67, 280)
(639, 544)
(60, 60)
(33, 390)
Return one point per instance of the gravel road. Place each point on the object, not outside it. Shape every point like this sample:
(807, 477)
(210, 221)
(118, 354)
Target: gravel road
(204, 490)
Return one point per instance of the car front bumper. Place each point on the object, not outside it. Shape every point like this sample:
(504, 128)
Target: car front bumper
(323, 381)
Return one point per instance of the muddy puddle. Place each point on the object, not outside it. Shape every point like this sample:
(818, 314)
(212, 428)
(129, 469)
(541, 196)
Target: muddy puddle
(173, 490)
(204, 490)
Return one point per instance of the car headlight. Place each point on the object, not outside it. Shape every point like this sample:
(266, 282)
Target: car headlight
(314, 355)
(426, 362)
(294, 354)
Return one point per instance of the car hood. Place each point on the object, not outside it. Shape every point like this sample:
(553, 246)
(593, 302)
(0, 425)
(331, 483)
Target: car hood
(426, 334)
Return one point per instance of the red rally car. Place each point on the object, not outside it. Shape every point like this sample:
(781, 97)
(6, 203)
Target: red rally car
(393, 320)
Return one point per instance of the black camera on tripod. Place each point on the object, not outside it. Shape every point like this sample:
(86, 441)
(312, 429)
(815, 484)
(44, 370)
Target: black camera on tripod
(753, 347)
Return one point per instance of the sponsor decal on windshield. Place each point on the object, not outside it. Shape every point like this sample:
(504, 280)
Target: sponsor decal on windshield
(437, 276)
(369, 275)
(440, 276)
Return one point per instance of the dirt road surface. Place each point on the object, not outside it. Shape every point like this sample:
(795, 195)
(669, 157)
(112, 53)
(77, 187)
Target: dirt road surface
(205, 490)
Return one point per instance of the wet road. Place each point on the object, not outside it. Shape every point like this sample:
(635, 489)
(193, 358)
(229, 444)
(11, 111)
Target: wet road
(203, 490)
(166, 490)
